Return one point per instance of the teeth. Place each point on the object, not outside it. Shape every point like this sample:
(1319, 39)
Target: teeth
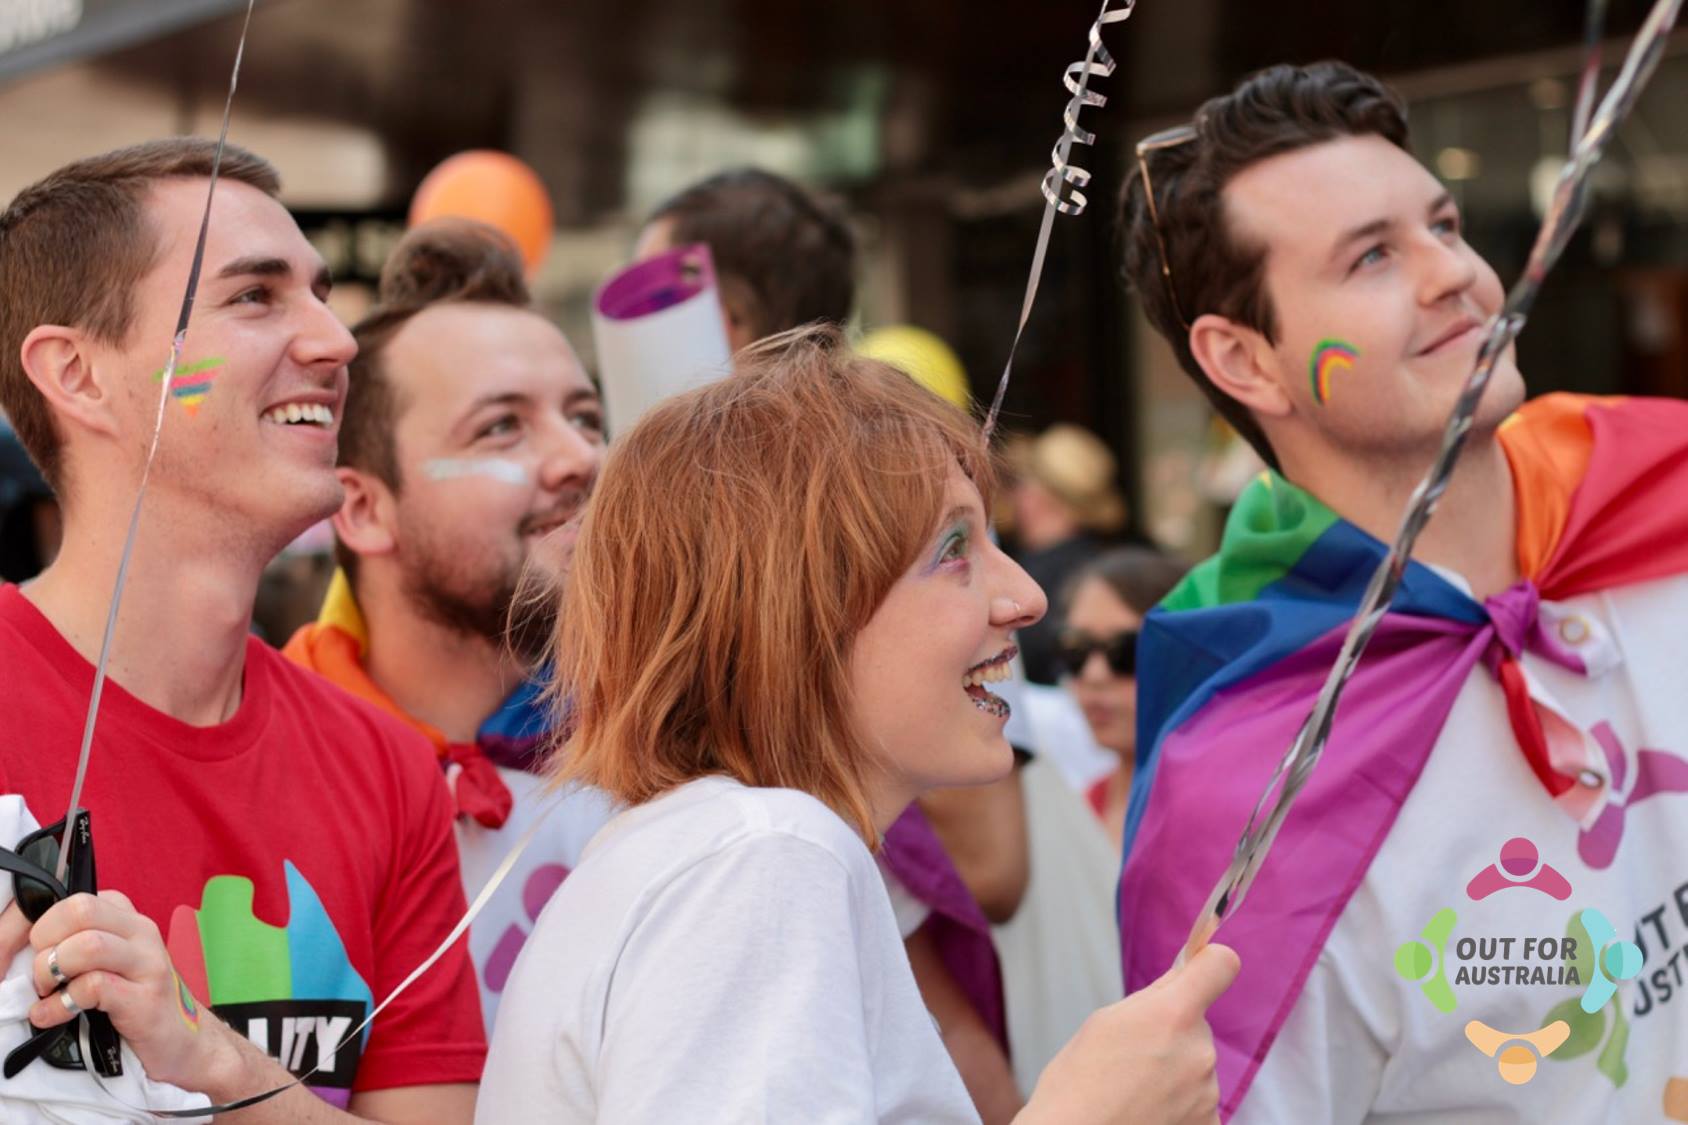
(294, 413)
(989, 674)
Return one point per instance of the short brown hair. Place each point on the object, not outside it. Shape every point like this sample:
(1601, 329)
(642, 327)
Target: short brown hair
(72, 249)
(1278, 110)
(740, 537)
(1139, 576)
(791, 252)
(447, 260)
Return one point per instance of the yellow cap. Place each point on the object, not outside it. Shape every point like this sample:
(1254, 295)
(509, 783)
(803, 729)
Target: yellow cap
(923, 357)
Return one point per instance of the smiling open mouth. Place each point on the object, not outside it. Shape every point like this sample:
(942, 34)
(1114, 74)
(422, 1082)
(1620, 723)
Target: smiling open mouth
(992, 671)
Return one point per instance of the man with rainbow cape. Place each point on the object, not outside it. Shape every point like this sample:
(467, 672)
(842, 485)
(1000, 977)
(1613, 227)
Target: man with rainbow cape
(1477, 910)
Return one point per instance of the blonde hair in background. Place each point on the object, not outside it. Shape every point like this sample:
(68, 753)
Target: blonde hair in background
(739, 538)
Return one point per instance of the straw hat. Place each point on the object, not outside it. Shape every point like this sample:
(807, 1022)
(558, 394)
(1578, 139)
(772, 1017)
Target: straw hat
(1074, 465)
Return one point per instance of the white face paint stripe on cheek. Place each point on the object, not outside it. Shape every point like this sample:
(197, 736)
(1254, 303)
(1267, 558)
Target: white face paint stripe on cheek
(498, 468)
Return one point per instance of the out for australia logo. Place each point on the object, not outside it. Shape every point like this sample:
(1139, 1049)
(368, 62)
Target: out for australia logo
(1589, 956)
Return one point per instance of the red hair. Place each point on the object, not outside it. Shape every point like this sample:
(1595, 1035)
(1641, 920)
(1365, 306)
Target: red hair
(739, 538)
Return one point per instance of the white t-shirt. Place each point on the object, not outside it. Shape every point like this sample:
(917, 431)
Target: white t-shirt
(721, 954)
(1365, 1044)
(502, 926)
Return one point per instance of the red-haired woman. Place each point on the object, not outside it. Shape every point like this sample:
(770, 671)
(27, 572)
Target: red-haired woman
(781, 625)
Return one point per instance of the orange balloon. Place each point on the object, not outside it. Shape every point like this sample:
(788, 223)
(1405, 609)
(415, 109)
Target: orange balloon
(495, 188)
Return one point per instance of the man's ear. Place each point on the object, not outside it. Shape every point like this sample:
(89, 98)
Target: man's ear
(367, 522)
(1240, 362)
(59, 361)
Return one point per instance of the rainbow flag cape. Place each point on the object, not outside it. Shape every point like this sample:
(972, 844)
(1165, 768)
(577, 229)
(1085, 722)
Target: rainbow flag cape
(1231, 661)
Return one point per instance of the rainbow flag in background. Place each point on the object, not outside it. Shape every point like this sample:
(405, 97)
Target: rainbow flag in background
(1231, 662)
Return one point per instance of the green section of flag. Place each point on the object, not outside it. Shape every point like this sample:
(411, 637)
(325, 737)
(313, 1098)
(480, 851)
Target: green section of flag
(1271, 527)
(245, 959)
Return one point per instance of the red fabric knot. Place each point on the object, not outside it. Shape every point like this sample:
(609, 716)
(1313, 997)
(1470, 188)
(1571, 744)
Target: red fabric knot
(475, 785)
(1514, 614)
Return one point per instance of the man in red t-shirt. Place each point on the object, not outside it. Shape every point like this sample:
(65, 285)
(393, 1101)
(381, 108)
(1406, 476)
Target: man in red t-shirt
(283, 850)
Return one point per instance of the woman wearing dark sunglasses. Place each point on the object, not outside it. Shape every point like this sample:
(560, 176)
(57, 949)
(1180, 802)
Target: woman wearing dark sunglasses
(1097, 653)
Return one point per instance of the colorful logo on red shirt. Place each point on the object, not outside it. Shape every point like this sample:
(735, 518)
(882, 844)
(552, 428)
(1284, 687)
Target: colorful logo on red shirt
(290, 989)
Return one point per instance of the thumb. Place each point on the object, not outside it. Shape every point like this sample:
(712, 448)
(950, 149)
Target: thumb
(1206, 976)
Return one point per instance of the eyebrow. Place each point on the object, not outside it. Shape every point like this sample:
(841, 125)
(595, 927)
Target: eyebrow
(1380, 226)
(513, 398)
(264, 265)
(955, 515)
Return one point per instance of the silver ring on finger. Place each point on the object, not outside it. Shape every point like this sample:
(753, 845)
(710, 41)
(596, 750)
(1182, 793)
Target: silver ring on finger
(69, 1002)
(53, 969)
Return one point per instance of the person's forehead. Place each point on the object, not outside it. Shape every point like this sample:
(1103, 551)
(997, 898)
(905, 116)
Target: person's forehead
(961, 492)
(656, 238)
(451, 354)
(1095, 602)
(1296, 203)
(245, 224)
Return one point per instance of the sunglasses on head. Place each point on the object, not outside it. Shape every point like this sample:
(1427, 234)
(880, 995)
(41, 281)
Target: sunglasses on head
(36, 889)
(1159, 142)
(1120, 650)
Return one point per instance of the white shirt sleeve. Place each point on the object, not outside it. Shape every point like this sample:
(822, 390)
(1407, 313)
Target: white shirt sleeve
(738, 995)
(1326, 1064)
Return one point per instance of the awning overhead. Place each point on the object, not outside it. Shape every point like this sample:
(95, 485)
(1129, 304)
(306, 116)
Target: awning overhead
(40, 33)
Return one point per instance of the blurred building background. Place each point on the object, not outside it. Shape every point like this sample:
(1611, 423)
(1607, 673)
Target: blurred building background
(933, 119)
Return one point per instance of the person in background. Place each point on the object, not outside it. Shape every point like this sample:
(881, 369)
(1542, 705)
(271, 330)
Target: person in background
(30, 525)
(470, 441)
(1066, 507)
(785, 257)
(1106, 601)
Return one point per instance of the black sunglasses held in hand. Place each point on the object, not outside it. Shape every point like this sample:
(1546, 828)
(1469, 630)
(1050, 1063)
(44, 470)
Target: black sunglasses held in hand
(1120, 650)
(36, 890)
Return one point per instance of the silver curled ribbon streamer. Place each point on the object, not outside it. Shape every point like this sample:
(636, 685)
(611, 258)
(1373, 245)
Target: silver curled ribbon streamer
(1570, 197)
(176, 344)
(1063, 176)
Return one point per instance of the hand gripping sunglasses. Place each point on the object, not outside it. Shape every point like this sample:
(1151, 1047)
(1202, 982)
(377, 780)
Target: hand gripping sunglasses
(37, 889)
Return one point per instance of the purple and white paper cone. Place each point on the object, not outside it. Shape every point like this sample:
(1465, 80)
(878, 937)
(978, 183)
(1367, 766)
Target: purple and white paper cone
(659, 331)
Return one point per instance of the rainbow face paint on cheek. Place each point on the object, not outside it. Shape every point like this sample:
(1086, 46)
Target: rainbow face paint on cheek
(497, 468)
(1329, 356)
(192, 382)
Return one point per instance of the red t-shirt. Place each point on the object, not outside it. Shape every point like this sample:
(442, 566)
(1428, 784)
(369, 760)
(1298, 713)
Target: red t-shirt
(298, 858)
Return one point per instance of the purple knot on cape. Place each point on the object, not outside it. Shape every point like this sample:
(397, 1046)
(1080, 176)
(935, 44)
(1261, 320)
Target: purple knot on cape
(1516, 615)
(1513, 614)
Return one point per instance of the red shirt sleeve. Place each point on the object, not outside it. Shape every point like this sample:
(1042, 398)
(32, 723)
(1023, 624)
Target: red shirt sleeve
(432, 1033)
